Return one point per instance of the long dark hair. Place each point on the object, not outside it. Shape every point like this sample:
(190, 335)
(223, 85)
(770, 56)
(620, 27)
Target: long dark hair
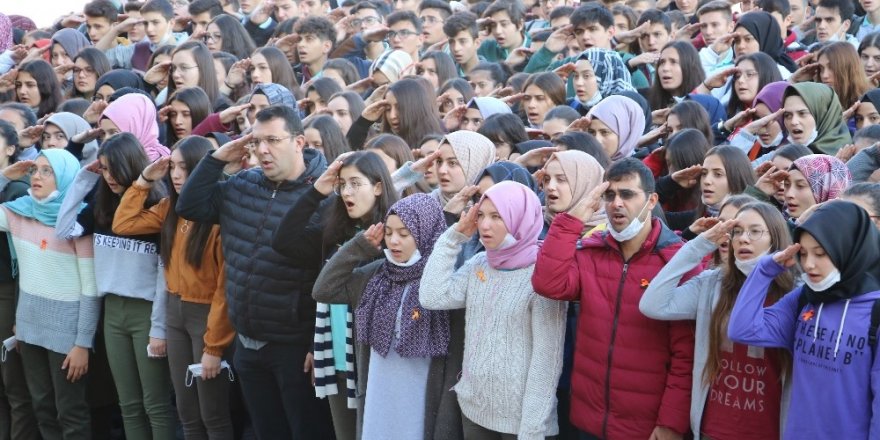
(282, 72)
(199, 108)
(207, 72)
(768, 72)
(692, 75)
(692, 115)
(416, 112)
(126, 161)
(732, 281)
(737, 169)
(236, 39)
(96, 59)
(333, 140)
(47, 84)
(193, 149)
(339, 227)
(445, 65)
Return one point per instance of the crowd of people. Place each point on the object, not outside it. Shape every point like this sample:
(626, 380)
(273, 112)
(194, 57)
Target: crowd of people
(395, 220)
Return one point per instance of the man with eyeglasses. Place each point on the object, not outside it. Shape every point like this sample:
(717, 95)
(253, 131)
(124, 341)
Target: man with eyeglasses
(268, 294)
(405, 33)
(363, 36)
(632, 374)
(432, 14)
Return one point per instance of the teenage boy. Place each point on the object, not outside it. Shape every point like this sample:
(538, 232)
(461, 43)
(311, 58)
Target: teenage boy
(406, 5)
(504, 20)
(833, 18)
(716, 21)
(201, 12)
(313, 8)
(406, 33)
(137, 33)
(316, 38)
(870, 22)
(781, 11)
(100, 17)
(433, 13)
(461, 31)
(156, 15)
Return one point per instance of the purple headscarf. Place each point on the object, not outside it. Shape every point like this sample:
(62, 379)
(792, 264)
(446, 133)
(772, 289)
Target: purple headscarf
(625, 118)
(771, 96)
(5, 32)
(423, 333)
(828, 176)
(520, 209)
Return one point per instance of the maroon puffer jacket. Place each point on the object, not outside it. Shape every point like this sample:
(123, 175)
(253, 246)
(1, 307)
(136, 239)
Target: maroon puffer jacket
(631, 373)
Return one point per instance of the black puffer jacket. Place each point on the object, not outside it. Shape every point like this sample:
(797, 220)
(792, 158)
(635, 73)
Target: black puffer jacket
(268, 295)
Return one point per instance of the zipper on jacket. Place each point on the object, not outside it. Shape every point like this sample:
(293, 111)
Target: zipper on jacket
(256, 244)
(611, 350)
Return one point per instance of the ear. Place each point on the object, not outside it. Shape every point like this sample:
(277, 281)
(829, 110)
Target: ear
(327, 46)
(652, 201)
(612, 30)
(845, 26)
(299, 143)
(786, 21)
(377, 189)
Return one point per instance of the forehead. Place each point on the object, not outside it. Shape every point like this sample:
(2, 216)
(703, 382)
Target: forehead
(713, 16)
(750, 217)
(473, 113)
(51, 128)
(431, 11)
(629, 181)
(41, 160)
(179, 105)
(183, 56)
(153, 16)
(583, 64)
(794, 102)
(351, 171)
(554, 167)
(479, 75)
(742, 32)
(402, 24)
(657, 27)
(366, 12)
(532, 89)
(97, 20)
(828, 13)
(258, 58)
(274, 126)
(394, 222)
(259, 99)
(338, 103)
(867, 107)
(500, 15)
(446, 151)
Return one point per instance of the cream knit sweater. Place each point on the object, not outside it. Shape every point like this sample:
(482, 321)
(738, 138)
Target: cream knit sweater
(513, 340)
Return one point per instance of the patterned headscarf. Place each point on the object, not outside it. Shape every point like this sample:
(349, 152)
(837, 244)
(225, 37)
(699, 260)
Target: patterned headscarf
(828, 176)
(611, 73)
(5, 32)
(423, 333)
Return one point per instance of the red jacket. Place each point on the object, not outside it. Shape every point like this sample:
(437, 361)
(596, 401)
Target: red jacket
(631, 373)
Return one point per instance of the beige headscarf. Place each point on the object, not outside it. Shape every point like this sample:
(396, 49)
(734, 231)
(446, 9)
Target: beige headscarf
(474, 152)
(584, 173)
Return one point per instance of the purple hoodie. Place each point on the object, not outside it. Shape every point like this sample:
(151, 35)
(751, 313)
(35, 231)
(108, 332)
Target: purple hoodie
(835, 385)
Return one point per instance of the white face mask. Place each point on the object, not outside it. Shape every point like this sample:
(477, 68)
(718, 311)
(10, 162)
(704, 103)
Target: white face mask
(775, 142)
(830, 280)
(594, 100)
(506, 243)
(809, 141)
(747, 266)
(631, 230)
(416, 256)
(52, 196)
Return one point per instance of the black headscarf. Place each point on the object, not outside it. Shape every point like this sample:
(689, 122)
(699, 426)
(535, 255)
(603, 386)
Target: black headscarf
(851, 240)
(501, 171)
(119, 78)
(766, 30)
(873, 96)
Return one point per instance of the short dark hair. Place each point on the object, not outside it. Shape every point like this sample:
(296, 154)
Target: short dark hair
(561, 11)
(499, 72)
(24, 112)
(292, 123)
(443, 7)
(101, 8)
(161, 6)
(563, 112)
(410, 16)
(317, 26)
(716, 6)
(10, 137)
(133, 6)
(845, 8)
(380, 8)
(504, 128)
(201, 6)
(792, 152)
(631, 167)
(583, 141)
(514, 10)
(656, 16)
(461, 22)
(783, 7)
(346, 69)
(77, 106)
(867, 190)
(541, 36)
(592, 13)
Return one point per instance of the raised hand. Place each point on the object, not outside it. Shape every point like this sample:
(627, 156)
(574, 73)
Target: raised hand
(158, 73)
(30, 135)
(723, 43)
(377, 95)
(467, 223)
(325, 183)
(633, 34)
(564, 71)
(94, 110)
(579, 124)
(846, 152)
(771, 180)
(452, 119)
(755, 126)
(376, 110)
(375, 234)
(235, 150)
(155, 171)
(513, 99)
(18, 170)
(237, 73)
(7, 80)
(719, 79)
(688, 177)
(848, 113)
(653, 135)
(560, 39)
(738, 119)
(163, 113)
(644, 58)
(361, 86)
(518, 56)
(62, 71)
(127, 25)
(230, 114)
(805, 73)
(535, 158)
(711, 229)
(460, 200)
(687, 31)
(585, 208)
(287, 44)
(658, 117)
(425, 164)
(375, 34)
(787, 256)
(88, 136)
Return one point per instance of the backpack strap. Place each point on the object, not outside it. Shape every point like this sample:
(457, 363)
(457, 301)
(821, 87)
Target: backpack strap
(875, 326)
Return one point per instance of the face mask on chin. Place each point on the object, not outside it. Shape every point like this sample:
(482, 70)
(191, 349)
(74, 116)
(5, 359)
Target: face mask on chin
(632, 229)
(830, 280)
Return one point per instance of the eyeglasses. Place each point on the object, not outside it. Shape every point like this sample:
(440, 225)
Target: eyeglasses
(405, 33)
(430, 19)
(184, 68)
(212, 37)
(270, 140)
(354, 186)
(625, 194)
(751, 234)
(42, 171)
(749, 74)
(368, 21)
(87, 70)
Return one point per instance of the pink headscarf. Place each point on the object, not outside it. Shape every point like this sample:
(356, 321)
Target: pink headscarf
(625, 118)
(135, 113)
(520, 209)
(827, 175)
(5, 32)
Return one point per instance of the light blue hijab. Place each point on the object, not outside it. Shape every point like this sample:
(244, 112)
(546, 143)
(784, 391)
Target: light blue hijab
(65, 166)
